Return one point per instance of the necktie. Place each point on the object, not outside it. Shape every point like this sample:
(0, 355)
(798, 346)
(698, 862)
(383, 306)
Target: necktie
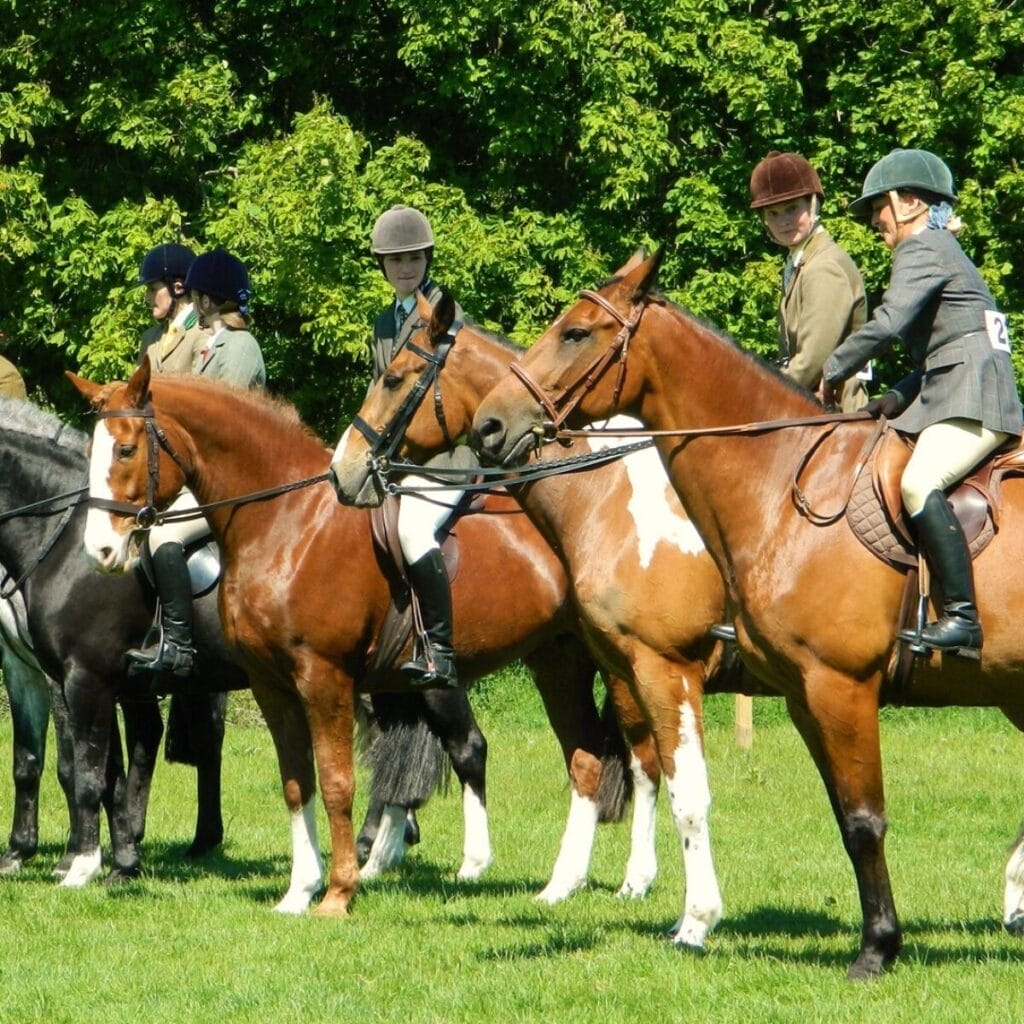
(401, 315)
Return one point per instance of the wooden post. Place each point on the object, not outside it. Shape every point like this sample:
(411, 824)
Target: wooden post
(744, 721)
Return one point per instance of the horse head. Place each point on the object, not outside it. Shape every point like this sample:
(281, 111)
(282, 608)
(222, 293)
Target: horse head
(133, 469)
(399, 417)
(570, 373)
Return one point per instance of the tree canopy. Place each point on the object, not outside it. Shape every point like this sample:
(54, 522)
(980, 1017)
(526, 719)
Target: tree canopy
(545, 143)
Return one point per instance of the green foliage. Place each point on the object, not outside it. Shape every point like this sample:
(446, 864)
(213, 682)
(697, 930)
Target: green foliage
(545, 142)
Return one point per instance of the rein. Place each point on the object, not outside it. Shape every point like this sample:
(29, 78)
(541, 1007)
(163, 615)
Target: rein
(147, 516)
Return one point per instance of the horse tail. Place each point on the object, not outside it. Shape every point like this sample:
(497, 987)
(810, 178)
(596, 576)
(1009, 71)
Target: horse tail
(615, 791)
(195, 723)
(407, 759)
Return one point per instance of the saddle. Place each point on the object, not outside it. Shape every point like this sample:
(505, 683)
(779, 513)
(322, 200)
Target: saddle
(875, 510)
(399, 618)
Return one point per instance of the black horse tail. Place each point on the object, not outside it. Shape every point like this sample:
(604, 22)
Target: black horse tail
(195, 727)
(615, 792)
(407, 759)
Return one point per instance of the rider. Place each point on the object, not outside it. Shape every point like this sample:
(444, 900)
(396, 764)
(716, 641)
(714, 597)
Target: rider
(961, 401)
(176, 338)
(218, 284)
(403, 243)
(822, 297)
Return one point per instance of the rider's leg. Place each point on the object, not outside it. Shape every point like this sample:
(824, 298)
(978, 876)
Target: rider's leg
(173, 651)
(419, 520)
(946, 452)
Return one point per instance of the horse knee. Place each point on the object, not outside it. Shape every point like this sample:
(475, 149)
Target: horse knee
(27, 768)
(863, 832)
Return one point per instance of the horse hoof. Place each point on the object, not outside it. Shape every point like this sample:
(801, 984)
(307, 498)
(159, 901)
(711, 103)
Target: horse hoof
(201, 847)
(1015, 926)
(867, 967)
(118, 876)
(11, 863)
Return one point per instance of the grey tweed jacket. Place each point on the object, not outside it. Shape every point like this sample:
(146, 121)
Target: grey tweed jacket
(940, 310)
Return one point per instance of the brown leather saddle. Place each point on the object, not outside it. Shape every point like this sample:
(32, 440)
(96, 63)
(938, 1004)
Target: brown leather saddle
(875, 510)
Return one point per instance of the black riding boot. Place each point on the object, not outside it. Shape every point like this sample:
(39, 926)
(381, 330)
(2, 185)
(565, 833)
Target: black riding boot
(434, 663)
(173, 651)
(939, 533)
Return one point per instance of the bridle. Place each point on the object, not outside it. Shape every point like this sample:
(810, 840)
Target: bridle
(560, 404)
(146, 514)
(384, 443)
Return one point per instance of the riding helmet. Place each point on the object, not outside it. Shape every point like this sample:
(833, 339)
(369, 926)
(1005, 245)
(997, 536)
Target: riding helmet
(220, 275)
(401, 229)
(166, 263)
(780, 177)
(909, 169)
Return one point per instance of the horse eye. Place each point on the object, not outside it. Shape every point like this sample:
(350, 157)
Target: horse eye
(576, 334)
(126, 451)
(392, 381)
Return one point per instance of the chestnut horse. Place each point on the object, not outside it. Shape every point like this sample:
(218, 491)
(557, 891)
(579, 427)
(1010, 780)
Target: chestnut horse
(626, 545)
(822, 637)
(304, 597)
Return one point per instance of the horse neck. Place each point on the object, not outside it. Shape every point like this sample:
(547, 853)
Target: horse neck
(478, 363)
(238, 446)
(33, 469)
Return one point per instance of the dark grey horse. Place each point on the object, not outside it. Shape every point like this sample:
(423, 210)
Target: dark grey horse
(77, 625)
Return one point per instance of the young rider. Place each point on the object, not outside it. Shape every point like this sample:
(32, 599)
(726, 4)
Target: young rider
(822, 298)
(961, 401)
(219, 287)
(403, 243)
(177, 337)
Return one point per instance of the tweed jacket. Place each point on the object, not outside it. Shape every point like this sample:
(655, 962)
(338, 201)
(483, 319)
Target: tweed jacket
(822, 305)
(175, 349)
(234, 357)
(942, 313)
(11, 383)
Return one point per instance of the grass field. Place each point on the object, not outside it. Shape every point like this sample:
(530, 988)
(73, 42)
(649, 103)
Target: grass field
(200, 943)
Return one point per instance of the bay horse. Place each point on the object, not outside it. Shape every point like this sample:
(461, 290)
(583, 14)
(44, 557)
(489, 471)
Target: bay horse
(305, 592)
(73, 625)
(626, 545)
(816, 614)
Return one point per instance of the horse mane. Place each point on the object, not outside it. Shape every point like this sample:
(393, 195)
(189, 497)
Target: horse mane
(498, 339)
(279, 411)
(29, 420)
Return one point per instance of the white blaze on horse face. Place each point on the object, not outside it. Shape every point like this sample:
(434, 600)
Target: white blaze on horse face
(103, 544)
(339, 451)
(652, 504)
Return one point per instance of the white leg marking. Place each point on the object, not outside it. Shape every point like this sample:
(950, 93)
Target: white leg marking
(389, 847)
(307, 868)
(476, 844)
(572, 865)
(84, 868)
(1013, 894)
(642, 866)
(690, 798)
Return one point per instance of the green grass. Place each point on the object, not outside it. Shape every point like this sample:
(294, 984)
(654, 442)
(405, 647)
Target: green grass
(200, 943)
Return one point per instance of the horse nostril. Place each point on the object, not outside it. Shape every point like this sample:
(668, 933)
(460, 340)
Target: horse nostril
(490, 434)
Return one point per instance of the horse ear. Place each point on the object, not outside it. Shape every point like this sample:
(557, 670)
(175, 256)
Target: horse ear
(443, 318)
(632, 263)
(90, 389)
(137, 391)
(640, 280)
(423, 307)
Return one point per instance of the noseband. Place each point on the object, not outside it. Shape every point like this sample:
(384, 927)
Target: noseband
(145, 515)
(384, 443)
(560, 404)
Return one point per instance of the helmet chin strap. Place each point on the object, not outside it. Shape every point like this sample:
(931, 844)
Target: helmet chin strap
(895, 201)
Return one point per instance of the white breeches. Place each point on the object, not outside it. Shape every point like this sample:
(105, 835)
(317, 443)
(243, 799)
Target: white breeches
(185, 531)
(419, 518)
(945, 453)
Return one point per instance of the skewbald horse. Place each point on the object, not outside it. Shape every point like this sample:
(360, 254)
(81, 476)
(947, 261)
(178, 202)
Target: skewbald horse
(303, 596)
(821, 637)
(625, 543)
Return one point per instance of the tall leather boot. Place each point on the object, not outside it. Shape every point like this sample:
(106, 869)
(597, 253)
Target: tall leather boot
(173, 652)
(939, 533)
(434, 663)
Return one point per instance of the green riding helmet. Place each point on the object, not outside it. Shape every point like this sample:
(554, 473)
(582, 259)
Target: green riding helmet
(401, 229)
(909, 169)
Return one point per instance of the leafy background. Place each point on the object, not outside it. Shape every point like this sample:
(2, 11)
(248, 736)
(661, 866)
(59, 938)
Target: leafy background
(545, 142)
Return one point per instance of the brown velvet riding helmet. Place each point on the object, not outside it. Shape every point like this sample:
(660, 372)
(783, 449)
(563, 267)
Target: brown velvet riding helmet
(780, 177)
